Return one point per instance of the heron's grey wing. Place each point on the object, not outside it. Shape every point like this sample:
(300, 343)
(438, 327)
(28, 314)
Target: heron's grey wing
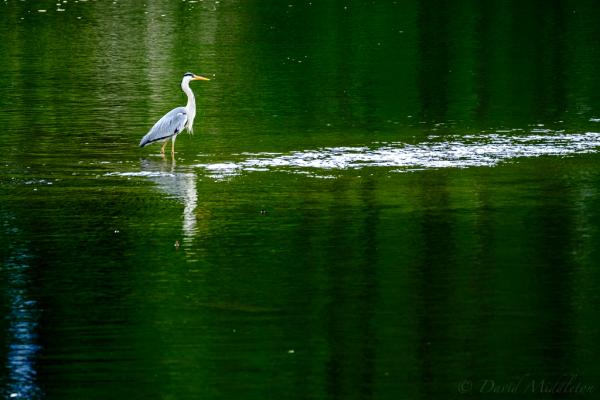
(171, 124)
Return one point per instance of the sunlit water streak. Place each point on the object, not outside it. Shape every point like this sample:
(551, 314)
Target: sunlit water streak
(22, 348)
(453, 152)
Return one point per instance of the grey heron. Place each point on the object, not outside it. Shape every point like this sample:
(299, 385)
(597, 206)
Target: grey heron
(175, 120)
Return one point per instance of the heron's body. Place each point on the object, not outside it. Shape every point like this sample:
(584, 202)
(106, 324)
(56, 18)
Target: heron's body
(176, 120)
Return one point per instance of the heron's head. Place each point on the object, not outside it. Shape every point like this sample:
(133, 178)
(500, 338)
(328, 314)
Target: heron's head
(190, 77)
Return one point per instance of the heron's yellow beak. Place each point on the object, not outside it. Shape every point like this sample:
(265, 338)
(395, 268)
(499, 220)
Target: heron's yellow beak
(201, 78)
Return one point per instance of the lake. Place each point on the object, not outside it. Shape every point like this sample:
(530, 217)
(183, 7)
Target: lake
(380, 200)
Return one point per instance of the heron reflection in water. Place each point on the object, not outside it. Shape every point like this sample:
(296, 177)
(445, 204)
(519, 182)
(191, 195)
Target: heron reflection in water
(180, 185)
(173, 123)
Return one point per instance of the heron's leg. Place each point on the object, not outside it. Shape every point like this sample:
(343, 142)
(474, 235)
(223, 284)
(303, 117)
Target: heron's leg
(173, 143)
(162, 151)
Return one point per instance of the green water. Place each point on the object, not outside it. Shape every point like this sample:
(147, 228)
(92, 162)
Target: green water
(381, 200)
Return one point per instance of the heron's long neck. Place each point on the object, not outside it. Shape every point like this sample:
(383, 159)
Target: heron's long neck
(191, 105)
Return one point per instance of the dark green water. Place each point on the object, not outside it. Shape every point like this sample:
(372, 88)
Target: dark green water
(429, 174)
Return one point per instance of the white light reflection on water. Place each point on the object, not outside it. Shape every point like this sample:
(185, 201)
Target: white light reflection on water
(439, 152)
(452, 152)
(22, 334)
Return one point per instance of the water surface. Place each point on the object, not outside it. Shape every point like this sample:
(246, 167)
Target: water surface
(380, 200)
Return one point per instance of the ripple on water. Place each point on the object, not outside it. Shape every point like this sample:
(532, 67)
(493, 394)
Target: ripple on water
(453, 152)
(440, 152)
